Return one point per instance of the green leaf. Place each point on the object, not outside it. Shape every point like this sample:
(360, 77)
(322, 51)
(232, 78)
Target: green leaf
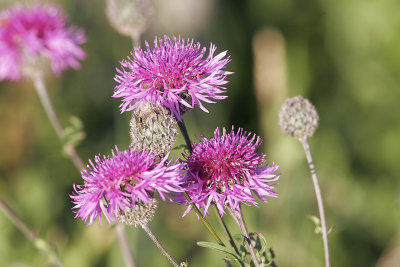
(215, 247)
(257, 238)
(221, 249)
(314, 219)
(239, 237)
(317, 223)
(228, 262)
(265, 255)
(73, 134)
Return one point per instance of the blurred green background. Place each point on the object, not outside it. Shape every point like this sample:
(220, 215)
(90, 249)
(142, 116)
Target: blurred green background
(342, 55)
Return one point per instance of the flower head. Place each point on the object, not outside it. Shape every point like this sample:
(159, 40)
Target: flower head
(298, 118)
(225, 170)
(174, 73)
(113, 184)
(36, 37)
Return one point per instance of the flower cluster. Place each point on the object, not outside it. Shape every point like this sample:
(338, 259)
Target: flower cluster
(112, 184)
(224, 170)
(37, 36)
(174, 73)
(159, 84)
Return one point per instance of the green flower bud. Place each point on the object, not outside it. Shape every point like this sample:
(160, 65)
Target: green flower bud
(153, 128)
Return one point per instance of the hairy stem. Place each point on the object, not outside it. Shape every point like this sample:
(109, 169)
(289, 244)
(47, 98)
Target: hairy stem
(314, 177)
(71, 151)
(239, 219)
(39, 243)
(153, 237)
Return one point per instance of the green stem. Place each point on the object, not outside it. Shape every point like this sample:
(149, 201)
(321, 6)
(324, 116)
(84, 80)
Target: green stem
(38, 242)
(204, 221)
(154, 238)
(231, 240)
(185, 134)
(55, 122)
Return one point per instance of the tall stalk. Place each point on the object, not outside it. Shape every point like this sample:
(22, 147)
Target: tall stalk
(314, 177)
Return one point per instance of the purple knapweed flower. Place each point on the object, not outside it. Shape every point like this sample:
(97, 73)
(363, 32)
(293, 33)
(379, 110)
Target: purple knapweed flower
(224, 170)
(30, 36)
(112, 184)
(172, 73)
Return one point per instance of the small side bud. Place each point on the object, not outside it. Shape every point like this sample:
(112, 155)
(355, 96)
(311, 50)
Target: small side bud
(298, 118)
(153, 129)
(129, 17)
(142, 214)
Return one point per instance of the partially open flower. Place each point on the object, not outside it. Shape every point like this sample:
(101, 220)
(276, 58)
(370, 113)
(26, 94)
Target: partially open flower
(298, 118)
(35, 39)
(114, 184)
(175, 73)
(225, 170)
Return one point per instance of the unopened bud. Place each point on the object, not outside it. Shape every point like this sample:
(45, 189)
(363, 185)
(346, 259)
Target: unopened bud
(142, 214)
(298, 118)
(129, 17)
(153, 129)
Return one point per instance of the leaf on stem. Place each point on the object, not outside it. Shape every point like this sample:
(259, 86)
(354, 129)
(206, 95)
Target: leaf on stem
(73, 134)
(317, 223)
(264, 254)
(223, 249)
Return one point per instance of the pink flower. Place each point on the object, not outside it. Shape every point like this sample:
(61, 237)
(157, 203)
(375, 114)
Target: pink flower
(112, 184)
(225, 170)
(31, 36)
(173, 73)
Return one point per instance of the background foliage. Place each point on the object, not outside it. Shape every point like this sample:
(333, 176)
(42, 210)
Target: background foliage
(342, 55)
